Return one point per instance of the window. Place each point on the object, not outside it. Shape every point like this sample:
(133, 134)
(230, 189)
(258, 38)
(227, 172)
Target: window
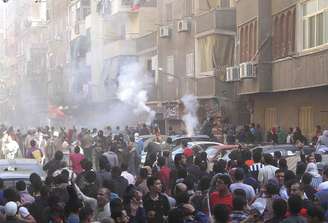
(190, 63)
(315, 23)
(311, 33)
(319, 31)
(170, 68)
(169, 16)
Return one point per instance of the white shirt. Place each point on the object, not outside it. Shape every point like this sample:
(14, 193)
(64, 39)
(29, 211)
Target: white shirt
(323, 186)
(266, 173)
(129, 177)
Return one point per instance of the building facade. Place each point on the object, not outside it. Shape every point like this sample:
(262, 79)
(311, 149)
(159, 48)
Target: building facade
(25, 53)
(58, 59)
(287, 41)
(195, 45)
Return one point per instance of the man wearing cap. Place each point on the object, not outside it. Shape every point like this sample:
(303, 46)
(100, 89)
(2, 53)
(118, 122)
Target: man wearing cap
(187, 152)
(11, 211)
(14, 215)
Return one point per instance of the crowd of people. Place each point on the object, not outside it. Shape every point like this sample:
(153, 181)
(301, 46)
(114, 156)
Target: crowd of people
(254, 134)
(106, 181)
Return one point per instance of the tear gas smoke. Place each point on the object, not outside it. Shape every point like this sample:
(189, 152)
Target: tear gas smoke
(190, 118)
(132, 90)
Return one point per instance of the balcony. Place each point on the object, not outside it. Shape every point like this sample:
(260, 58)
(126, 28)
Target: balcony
(36, 22)
(120, 48)
(218, 20)
(147, 42)
(119, 6)
(305, 71)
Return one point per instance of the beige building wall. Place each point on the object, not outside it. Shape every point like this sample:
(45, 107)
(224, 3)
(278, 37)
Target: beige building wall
(288, 107)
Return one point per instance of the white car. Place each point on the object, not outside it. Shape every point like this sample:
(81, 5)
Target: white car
(198, 145)
(12, 171)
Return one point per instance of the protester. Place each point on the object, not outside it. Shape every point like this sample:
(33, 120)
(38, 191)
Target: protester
(193, 190)
(249, 190)
(76, 157)
(295, 204)
(155, 202)
(268, 171)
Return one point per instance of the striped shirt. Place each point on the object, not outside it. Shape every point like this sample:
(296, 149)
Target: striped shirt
(238, 216)
(255, 168)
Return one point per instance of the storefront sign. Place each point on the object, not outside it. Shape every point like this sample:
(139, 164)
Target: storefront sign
(172, 111)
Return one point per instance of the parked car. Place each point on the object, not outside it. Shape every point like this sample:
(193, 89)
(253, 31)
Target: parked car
(12, 171)
(197, 146)
(286, 150)
(176, 143)
(220, 152)
(177, 140)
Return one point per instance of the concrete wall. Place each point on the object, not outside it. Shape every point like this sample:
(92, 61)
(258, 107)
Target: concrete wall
(280, 5)
(288, 105)
(246, 11)
(177, 45)
(301, 72)
(263, 80)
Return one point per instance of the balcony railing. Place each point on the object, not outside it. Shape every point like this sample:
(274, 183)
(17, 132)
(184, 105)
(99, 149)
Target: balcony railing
(218, 19)
(147, 42)
(120, 48)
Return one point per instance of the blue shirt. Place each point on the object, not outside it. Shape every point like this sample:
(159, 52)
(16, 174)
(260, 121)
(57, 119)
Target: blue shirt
(73, 218)
(113, 196)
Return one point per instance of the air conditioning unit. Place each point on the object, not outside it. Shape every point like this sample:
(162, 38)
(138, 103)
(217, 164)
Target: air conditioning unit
(164, 32)
(247, 70)
(183, 26)
(232, 74)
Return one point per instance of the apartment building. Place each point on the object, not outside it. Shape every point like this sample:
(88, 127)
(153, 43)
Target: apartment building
(196, 43)
(58, 53)
(103, 37)
(25, 52)
(283, 53)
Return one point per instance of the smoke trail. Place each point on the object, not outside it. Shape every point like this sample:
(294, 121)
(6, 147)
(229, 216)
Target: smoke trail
(132, 90)
(190, 118)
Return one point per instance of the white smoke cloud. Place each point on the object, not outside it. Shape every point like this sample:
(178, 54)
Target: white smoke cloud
(132, 90)
(190, 118)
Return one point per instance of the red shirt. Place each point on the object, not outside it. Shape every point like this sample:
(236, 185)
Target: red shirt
(216, 199)
(164, 175)
(76, 158)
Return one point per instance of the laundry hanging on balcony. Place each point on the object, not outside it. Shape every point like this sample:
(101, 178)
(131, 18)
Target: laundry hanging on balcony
(136, 5)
